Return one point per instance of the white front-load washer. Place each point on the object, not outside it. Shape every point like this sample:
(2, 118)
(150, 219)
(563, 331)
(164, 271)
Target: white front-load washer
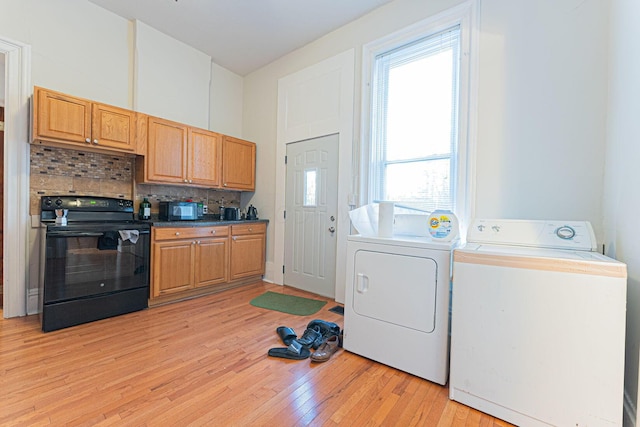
(538, 324)
(397, 303)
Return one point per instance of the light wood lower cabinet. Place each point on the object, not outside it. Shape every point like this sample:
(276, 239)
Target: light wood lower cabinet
(188, 258)
(192, 261)
(247, 250)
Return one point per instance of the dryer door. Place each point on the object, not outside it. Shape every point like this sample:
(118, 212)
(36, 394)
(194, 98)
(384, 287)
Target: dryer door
(395, 288)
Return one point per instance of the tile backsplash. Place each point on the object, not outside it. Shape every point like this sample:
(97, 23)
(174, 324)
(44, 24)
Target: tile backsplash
(66, 171)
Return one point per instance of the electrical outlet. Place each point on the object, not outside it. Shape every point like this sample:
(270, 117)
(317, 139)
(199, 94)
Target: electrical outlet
(205, 209)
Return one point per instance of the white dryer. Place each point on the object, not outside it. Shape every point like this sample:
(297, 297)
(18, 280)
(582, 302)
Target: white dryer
(397, 303)
(538, 324)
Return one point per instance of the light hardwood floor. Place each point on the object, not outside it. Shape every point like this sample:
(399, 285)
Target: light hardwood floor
(204, 362)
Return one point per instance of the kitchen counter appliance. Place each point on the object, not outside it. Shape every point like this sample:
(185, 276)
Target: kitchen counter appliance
(96, 266)
(231, 214)
(181, 211)
(252, 212)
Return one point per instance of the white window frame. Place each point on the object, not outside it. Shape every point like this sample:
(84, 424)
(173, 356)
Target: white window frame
(467, 17)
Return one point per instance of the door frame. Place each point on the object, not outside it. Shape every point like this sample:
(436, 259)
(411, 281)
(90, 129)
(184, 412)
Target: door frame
(16, 221)
(344, 64)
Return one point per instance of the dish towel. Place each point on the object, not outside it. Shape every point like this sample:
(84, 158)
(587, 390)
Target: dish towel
(129, 235)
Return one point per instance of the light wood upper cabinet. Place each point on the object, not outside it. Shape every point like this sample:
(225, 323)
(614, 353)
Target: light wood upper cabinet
(238, 164)
(166, 159)
(205, 150)
(170, 152)
(63, 119)
(180, 154)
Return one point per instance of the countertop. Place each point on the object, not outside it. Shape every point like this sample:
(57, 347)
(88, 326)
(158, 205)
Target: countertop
(207, 221)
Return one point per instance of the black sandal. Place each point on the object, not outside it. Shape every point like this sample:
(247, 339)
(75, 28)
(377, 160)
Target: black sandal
(295, 351)
(286, 334)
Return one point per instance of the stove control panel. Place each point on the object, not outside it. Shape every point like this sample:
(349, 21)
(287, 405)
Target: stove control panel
(86, 203)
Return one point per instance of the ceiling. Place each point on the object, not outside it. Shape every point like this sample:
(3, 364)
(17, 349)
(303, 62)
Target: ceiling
(243, 35)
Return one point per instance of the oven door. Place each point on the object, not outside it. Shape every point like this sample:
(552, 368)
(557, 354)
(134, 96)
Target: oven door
(88, 261)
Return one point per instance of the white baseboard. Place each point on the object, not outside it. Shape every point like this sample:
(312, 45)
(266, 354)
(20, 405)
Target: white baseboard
(268, 272)
(32, 302)
(630, 411)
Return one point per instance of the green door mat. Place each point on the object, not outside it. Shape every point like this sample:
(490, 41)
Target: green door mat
(287, 303)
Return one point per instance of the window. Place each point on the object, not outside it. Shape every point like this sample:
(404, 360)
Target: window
(415, 121)
(416, 138)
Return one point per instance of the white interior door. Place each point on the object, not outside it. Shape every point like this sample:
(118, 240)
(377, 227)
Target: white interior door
(311, 215)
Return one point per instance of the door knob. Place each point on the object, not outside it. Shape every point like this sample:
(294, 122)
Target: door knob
(332, 229)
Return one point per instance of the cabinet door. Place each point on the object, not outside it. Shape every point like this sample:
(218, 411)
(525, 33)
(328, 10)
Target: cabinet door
(247, 255)
(113, 127)
(61, 117)
(212, 257)
(205, 149)
(166, 159)
(172, 267)
(238, 164)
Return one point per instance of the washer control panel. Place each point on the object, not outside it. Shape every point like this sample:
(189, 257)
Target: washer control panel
(577, 235)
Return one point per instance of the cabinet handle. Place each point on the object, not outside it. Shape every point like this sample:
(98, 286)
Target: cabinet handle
(177, 233)
(213, 231)
(198, 242)
(88, 140)
(193, 243)
(234, 238)
(225, 184)
(186, 180)
(250, 229)
(95, 141)
(190, 181)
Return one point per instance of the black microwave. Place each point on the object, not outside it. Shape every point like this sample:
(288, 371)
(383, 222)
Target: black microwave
(180, 211)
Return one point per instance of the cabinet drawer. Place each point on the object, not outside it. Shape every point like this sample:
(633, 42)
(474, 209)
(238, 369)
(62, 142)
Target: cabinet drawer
(176, 233)
(253, 228)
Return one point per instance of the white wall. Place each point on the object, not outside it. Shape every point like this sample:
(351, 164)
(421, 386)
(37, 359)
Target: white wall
(542, 110)
(84, 50)
(622, 179)
(226, 101)
(171, 79)
(77, 47)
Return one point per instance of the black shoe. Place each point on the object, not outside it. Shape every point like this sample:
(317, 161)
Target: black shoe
(326, 329)
(309, 337)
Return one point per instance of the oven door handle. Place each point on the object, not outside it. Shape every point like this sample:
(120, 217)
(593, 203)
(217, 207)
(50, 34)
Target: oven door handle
(83, 234)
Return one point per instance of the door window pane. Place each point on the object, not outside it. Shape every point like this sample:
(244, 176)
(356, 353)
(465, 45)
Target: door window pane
(310, 187)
